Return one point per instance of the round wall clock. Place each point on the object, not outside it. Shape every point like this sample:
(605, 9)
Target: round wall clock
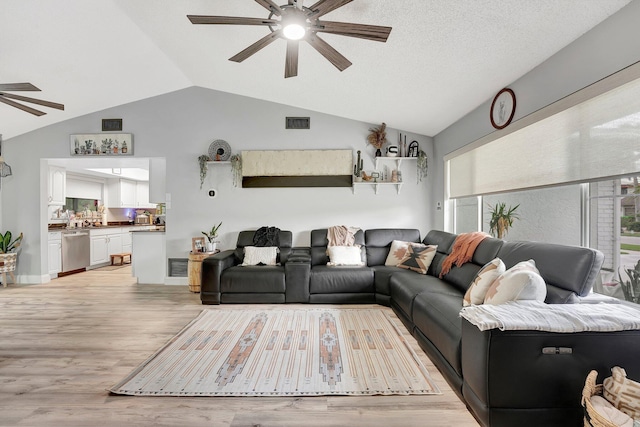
(219, 150)
(503, 108)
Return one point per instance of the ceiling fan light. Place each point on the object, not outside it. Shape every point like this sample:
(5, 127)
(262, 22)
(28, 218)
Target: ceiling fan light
(294, 31)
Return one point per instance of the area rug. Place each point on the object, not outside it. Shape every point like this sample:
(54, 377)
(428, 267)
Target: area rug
(292, 352)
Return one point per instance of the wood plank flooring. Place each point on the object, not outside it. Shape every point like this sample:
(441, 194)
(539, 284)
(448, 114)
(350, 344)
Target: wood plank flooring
(62, 344)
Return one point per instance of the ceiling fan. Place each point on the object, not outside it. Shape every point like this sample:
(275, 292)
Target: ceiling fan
(295, 22)
(7, 98)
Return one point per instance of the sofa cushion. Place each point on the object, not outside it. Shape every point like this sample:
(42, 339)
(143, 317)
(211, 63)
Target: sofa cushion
(567, 270)
(406, 284)
(462, 276)
(260, 255)
(332, 280)
(483, 281)
(418, 258)
(436, 315)
(382, 275)
(253, 279)
(345, 255)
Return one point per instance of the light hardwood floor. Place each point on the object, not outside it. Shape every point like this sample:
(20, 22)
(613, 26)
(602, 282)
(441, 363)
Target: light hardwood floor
(62, 344)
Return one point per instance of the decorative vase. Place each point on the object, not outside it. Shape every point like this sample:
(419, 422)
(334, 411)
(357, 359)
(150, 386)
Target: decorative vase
(211, 246)
(378, 153)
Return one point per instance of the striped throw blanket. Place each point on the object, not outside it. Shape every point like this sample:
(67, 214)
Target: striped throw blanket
(564, 318)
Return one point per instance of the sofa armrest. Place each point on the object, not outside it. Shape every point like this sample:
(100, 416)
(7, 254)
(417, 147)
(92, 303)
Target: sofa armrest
(212, 268)
(297, 272)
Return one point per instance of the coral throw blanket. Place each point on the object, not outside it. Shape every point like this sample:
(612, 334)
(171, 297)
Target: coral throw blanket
(463, 250)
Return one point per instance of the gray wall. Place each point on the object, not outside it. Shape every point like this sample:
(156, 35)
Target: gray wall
(609, 47)
(179, 126)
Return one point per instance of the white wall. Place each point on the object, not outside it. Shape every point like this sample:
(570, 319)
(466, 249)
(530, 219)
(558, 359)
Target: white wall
(609, 47)
(179, 126)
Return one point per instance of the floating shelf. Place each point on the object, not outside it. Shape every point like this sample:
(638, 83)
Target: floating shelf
(377, 185)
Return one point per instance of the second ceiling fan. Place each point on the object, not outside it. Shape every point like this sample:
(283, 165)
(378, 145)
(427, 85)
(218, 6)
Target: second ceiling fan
(295, 22)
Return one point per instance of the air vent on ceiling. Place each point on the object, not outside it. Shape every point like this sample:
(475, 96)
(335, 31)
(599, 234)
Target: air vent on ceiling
(298, 123)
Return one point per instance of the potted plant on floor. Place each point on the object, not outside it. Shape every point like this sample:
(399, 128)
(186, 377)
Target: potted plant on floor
(211, 237)
(8, 255)
(501, 219)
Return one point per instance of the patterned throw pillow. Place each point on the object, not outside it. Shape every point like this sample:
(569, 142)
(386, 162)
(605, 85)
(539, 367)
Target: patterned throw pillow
(483, 281)
(344, 255)
(396, 253)
(254, 255)
(622, 392)
(418, 258)
(520, 282)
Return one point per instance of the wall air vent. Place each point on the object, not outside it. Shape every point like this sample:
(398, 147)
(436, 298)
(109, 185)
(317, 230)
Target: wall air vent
(178, 267)
(298, 123)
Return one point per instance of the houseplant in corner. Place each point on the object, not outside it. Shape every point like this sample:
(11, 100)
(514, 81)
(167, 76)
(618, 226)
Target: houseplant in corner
(8, 255)
(631, 287)
(211, 237)
(501, 219)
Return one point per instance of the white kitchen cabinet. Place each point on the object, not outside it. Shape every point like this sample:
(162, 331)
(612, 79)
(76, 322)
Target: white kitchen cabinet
(105, 242)
(55, 253)
(57, 186)
(142, 195)
(122, 193)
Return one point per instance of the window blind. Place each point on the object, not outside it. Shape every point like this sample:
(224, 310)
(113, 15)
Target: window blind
(591, 134)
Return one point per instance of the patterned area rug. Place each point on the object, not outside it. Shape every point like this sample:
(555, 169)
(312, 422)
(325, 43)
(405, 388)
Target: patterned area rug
(293, 352)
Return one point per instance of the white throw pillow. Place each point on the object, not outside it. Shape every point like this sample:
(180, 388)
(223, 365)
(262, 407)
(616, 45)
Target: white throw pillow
(254, 255)
(483, 281)
(344, 255)
(520, 282)
(396, 253)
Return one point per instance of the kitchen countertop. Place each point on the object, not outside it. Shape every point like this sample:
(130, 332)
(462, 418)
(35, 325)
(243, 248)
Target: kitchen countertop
(100, 227)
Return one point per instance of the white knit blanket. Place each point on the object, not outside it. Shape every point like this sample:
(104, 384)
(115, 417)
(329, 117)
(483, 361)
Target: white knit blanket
(566, 318)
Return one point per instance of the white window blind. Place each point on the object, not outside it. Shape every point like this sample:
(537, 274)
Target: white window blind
(591, 134)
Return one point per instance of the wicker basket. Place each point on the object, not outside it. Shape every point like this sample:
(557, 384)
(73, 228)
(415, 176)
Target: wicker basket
(8, 262)
(591, 417)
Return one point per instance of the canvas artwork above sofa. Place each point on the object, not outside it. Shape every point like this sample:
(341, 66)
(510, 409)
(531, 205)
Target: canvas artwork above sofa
(505, 377)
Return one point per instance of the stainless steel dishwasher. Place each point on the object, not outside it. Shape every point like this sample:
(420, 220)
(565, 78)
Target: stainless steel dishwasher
(75, 250)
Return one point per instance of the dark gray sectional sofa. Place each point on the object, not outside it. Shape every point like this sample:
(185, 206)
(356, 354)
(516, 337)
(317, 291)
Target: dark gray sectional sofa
(506, 378)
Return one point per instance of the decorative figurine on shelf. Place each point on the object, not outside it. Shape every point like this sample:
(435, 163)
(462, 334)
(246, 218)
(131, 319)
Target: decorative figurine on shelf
(413, 149)
(377, 138)
(357, 168)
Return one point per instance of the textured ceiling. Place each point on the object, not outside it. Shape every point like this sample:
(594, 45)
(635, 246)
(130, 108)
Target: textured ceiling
(442, 60)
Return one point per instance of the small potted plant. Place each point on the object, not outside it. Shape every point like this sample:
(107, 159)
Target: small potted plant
(501, 219)
(8, 254)
(211, 237)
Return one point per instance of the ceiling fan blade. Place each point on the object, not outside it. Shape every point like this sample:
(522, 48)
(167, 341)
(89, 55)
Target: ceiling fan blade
(335, 57)
(12, 87)
(230, 20)
(33, 100)
(270, 6)
(322, 7)
(291, 64)
(263, 42)
(370, 32)
(22, 107)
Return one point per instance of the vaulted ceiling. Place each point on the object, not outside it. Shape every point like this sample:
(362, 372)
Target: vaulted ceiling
(442, 60)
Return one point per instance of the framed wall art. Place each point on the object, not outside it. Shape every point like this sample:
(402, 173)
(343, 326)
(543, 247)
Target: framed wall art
(101, 144)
